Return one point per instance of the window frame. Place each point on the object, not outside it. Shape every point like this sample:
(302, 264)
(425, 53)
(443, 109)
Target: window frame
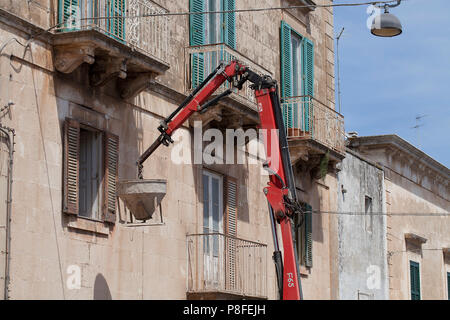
(448, 285)
(101, 169)
(303, 237)
(416, 295)
(71, 171)
(211, 175)
(368, 214)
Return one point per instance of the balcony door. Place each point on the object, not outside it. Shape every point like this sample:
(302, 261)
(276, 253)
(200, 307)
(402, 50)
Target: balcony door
(210, 29)
(212, 225)
(297, 79)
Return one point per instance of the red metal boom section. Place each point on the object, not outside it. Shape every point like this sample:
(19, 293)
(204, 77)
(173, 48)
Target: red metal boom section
(280, 192)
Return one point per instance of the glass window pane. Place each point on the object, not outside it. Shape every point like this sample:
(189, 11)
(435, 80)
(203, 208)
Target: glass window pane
(296, 65)
(206, 202)
(215, 204)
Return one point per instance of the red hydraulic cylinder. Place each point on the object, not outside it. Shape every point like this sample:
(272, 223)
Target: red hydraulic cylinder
(275, 193)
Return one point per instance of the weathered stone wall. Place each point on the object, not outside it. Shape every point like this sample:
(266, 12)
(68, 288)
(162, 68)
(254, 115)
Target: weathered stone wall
(417, 188)
(362, 256)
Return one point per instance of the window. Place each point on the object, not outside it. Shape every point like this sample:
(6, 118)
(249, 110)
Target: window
(303, 235)
(220, 207)
(448, 285)
(90, 172)
(414, 280)
(368, 217)
(212, 225)
(71, 11)
(210, 29)
(297, 76)
(212, 203)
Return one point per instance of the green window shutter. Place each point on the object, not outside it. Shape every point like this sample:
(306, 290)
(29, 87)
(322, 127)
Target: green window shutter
(116, 27)
(308, 235)
(68, 14)
(286, 71)
(415, 280)
(448, 285)
(230, 23)
(197, 27)
(286, 60)
(308, 79)
(197, 23)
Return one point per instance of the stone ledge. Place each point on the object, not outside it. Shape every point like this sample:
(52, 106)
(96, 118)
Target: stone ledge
(415, 239)
(84, 224)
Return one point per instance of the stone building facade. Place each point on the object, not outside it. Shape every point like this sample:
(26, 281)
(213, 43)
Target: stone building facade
(85, 96)
(418, 224)
(362, 255)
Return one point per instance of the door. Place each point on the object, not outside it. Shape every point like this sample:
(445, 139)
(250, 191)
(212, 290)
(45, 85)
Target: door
(212, 226)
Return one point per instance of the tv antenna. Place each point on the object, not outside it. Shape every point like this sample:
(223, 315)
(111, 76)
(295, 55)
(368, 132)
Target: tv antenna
(418, 126)
(338, 69)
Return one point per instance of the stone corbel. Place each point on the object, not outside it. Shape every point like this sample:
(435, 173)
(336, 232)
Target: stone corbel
(68, 59)
(107, 68)
(136, 83)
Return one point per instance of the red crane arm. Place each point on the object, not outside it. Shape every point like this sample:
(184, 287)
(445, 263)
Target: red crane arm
(280, 191)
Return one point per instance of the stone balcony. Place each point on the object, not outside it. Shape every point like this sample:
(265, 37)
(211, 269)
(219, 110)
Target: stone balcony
(131, 51)
(313, 130)
(238, 109)
(225, 267)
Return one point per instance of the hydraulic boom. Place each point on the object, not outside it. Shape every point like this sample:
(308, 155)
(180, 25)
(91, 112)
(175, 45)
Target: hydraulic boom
(280, 191)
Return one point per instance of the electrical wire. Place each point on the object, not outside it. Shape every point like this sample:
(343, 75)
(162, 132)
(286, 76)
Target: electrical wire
(416, 214)
(243, 10)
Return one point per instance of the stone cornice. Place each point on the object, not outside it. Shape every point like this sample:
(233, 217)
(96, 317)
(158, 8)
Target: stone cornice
(396, 145)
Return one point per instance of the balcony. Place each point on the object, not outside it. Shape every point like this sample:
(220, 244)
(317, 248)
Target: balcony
(238, 109)
(131, 50)
(313, 130)
(225, 267)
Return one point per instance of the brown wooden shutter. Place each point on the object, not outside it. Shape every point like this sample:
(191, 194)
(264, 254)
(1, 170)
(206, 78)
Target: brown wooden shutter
(71, 165)
(231, 211)
(111, 173)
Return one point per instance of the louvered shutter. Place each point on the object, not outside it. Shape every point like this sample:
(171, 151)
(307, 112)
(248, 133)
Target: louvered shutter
(68, 14)
(197, 25)
(308, 79)
(308, 235)
(229, 23)
(116, 8)
(231, 207)
(71, 165)
(448, 285)
(286, 72)
(111, 169)
(415, 280)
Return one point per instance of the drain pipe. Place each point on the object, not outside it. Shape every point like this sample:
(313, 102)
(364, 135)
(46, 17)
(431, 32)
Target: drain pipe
(10, 133)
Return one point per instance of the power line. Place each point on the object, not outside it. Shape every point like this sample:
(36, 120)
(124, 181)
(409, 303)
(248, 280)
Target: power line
(242, 10)
(356, 213)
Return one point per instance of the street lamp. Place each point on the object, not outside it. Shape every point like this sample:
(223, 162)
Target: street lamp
(386, 24)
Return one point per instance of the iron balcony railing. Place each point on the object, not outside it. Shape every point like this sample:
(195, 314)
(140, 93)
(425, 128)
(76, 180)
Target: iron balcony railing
(149, 35)
(202, 60)
(226, 264)
(308, 118)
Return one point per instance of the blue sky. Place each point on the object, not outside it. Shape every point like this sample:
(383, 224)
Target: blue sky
(387, 82)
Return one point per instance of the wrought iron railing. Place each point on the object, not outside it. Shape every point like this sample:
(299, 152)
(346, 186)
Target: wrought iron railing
(307, 117)
(147, 34)
(202, 60)
(226, 264)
